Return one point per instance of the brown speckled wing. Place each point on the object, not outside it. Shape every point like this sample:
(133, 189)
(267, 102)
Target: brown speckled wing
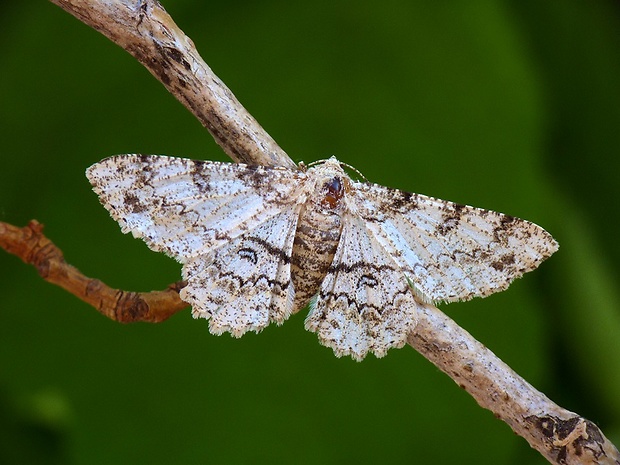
(446, 250)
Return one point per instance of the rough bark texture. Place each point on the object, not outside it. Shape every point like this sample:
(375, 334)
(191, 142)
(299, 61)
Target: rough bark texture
(144, 29)
(560, 435)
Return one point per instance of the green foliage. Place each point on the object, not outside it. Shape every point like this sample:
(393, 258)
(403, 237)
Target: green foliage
(513, 106)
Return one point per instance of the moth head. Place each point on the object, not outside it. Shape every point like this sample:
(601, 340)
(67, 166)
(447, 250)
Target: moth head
(331, 182)
(333, 191)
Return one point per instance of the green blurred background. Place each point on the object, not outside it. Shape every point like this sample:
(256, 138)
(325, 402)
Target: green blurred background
(507, 105)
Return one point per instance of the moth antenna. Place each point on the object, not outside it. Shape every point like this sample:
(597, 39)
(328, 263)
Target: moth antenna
(342, 164)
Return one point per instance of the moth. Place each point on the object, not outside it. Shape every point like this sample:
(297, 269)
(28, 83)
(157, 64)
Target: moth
(258, 244)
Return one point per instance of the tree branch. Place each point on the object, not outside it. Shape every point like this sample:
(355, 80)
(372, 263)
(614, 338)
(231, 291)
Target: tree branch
(560, 435)
(29, 244)
(146, 31)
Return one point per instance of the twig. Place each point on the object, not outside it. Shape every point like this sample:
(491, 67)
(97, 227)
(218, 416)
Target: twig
(29, 244)
(145, 30)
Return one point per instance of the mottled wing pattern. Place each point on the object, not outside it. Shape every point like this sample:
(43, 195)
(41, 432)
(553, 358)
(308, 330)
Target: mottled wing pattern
(365, 303)
(450, 251)
(232, 227)
(245, 284)
(187, 207)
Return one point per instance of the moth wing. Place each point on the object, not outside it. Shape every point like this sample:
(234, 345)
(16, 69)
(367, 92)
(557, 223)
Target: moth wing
(365, 303)
(449, 251)
(186, 207)
(232, 227)
(245, 284)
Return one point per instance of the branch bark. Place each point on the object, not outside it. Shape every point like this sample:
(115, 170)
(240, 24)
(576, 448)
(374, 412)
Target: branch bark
(145, 30)
(560, 435)
(29, 244)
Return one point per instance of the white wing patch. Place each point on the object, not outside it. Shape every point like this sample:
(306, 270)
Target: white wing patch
(249, 237)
